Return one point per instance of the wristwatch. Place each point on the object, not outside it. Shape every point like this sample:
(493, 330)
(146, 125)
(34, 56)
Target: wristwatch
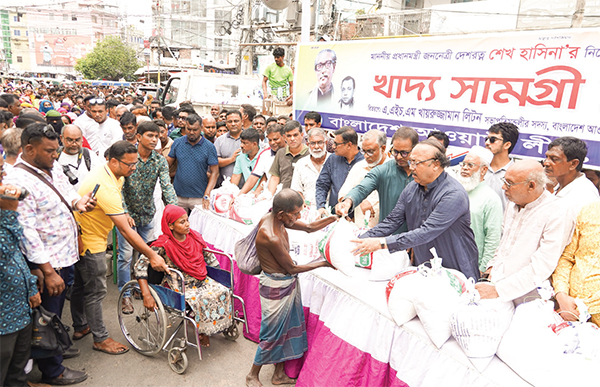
(206, 197)
(382, 243)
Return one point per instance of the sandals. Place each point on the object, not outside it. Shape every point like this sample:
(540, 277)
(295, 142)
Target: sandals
(81, 334)
(111, 347)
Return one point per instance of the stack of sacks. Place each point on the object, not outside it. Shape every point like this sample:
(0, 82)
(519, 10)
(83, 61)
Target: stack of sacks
(478, 325)
(546, 351)
(222, 198)
(433, 294)
(386, 265)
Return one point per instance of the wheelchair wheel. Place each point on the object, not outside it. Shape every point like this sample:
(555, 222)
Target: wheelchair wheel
(178, 360)
(145, 330)
(232, 333)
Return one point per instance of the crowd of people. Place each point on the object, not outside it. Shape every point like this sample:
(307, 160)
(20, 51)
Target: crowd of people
(508, 223)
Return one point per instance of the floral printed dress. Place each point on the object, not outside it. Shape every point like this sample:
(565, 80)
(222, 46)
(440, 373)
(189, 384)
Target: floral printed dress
(210, 301)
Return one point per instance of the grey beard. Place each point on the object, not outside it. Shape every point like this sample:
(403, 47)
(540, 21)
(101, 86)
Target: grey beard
(317, 155)
(373, 165)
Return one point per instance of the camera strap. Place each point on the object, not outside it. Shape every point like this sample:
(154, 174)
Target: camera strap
(83, 152)
(36, 174)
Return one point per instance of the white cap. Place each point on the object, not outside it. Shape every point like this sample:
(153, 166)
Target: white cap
(483, 153)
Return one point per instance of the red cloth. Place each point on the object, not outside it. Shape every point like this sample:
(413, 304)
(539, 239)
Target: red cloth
(86, 144)
(186, 255)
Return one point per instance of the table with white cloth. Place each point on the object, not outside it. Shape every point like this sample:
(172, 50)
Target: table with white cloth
(352, 338)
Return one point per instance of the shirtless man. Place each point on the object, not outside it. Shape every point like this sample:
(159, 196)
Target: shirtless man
(281, 305)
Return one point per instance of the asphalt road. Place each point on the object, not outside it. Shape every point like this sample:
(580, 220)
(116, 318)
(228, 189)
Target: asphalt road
(224, 363)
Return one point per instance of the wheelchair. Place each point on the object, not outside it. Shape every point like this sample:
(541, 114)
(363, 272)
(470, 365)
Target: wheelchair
(146, 330)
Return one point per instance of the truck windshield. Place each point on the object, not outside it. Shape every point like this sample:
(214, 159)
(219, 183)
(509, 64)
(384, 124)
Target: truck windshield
(171, 92)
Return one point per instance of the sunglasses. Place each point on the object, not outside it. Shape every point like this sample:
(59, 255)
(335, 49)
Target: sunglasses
(492, 139)
(96, 101)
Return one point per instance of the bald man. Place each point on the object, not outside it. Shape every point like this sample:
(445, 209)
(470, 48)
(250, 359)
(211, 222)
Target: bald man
(210, 128)
(435, 208)
(76, 160)
(536, 230)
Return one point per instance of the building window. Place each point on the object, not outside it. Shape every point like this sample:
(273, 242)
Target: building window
(94, 19)
(17, 32)
(17, 18)
(19, 59)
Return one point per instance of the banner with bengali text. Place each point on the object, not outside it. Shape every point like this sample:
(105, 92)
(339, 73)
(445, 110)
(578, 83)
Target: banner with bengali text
(545, 82)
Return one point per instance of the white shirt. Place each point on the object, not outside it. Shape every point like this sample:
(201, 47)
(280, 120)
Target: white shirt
(80, 170)
(263, 163)
(578, 194)
(533, 240)
(49, 229)
(355, 176)
(305, 177)
(493, 179)
(100, 136)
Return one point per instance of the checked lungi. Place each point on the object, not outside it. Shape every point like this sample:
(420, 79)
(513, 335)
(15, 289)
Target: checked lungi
(282, 327)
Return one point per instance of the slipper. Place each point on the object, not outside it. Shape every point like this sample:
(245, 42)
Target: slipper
(81, 334)
(111, 349)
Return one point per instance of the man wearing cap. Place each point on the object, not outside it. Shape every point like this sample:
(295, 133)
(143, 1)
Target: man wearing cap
(484, 204)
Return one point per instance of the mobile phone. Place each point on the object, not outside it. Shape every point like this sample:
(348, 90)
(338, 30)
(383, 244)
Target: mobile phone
(95, 191)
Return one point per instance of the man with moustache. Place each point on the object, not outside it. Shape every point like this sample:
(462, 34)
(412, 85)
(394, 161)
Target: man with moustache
(307, 169)
(436, 209)
(275, 136)
(484, 204)
(210, 128)
(245, 162)
(373, 148)
(282, 169)
(323, 95)
(389, 179)
(228, 145)
(97, 127)
(214, 112)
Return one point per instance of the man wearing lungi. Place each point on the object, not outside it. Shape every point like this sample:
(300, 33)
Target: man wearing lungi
(282, 329)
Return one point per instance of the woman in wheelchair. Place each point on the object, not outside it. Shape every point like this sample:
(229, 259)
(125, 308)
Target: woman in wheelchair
(182, 249)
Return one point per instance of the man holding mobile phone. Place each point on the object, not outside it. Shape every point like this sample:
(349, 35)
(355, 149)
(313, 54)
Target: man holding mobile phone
(50, 231)
(89, 289)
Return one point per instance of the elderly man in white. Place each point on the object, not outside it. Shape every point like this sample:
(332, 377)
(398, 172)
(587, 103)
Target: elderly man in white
(536, 230)
(307, 169)
(373, 147)
(484, 204)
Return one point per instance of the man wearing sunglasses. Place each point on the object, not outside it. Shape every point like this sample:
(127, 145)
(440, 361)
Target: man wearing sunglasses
(97, 127)
(501, 140)
(435, 207)
(389, 179)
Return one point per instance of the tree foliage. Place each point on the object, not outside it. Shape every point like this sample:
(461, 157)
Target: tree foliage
(111, 59)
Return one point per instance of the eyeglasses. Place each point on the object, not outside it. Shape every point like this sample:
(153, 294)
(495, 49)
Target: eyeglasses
(336, 144)
(128, 165)
(468, 165)
(327, 64)
(316, 143)
(68, 140)
(368, 152)
(492, 139)
(414, 164)
(401, 153)
(96, 101)
(510, 185)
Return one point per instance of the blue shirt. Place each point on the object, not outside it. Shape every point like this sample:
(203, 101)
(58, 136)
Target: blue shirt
(332, 177)
(437, 216)
(192, 163)
(17, 284)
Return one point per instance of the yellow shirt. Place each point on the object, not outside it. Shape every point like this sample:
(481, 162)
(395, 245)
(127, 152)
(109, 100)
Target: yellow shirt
(96, 224)
(578, 270)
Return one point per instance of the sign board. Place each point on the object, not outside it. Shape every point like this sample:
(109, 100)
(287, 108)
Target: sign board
(61, 50)
(545, 82)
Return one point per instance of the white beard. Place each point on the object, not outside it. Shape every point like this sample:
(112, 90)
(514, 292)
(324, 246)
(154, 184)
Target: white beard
(317, 155)
(469, 183)
(373, 165)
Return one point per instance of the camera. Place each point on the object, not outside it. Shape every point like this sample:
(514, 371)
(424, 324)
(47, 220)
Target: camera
(72, 178)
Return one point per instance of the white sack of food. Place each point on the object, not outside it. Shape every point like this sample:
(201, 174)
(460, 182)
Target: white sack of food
(222, 198)
(386, 265)
(399, 293)
(336, 247)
